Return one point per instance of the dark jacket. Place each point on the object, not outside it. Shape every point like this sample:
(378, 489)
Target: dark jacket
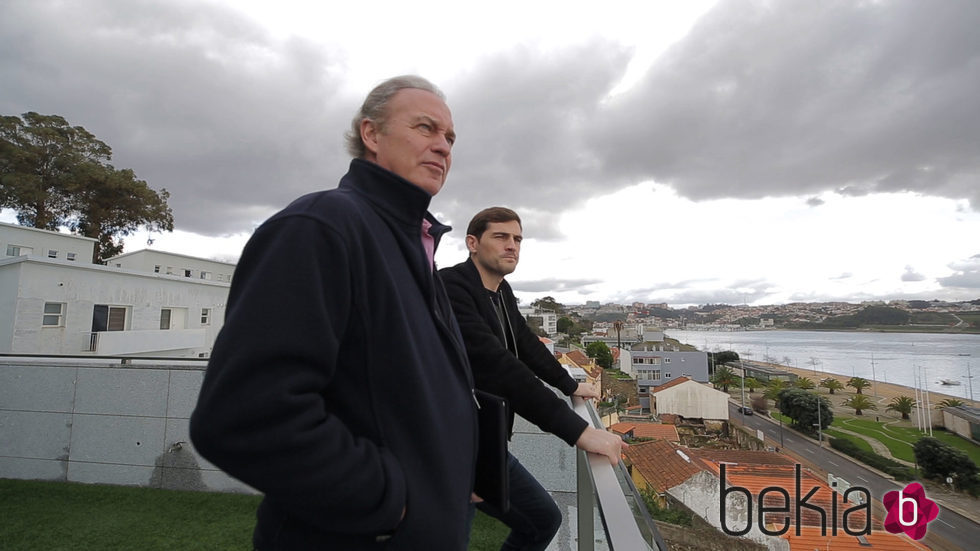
(515, 375)
(339, 386)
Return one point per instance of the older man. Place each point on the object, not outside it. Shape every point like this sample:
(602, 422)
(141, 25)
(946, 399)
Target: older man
(339, 385)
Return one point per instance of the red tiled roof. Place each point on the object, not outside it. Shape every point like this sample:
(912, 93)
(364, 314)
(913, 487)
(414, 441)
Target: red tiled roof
(810, 539)
(660, 464)
(578, 357)
(756, 478)
(545, 340)
(665, 386)
(742, 457)
(648, 430)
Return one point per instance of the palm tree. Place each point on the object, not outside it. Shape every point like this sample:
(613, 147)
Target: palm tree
(859, 402)
(805, 383)
(858, 383)
(723, 378)
(950, 403)
(902, 404)
(832, 384)
(752, 383)
(773, 389)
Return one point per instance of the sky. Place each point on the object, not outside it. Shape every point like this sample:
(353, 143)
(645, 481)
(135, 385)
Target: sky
(696, 152)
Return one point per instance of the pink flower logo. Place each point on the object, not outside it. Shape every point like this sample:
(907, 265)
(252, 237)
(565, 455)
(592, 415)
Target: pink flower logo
(909, 511)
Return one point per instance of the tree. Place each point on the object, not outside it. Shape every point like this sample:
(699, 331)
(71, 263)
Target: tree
(773, 389)
(723, 357)
(112, 203)
(832, 384)
(723, 378)
(801, 406)
(950, 403)
(860, 403)
(55, 175)
(564, 324)
(534, 324)
(549, 303)
(600, 351)
(805, 383)
(752, 383)
(939, 460)
(902, 404)
(858, 383)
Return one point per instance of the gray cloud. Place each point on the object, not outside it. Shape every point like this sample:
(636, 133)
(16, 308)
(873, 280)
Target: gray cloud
(967, 274)
(553, 285)
(911, 275)
(193, 97)
(760, 99)
(786, 98)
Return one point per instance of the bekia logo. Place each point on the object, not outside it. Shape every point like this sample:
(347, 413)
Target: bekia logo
(909, 511)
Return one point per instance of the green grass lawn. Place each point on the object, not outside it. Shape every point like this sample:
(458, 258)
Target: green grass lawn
(898, 442)
(900, 439)
(82, 517)
(859, 442)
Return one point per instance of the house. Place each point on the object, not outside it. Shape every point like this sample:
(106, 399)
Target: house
(56, 301)
(160, 262)
(689, 399)
(27, 241)
(654, 431)
(652, 368)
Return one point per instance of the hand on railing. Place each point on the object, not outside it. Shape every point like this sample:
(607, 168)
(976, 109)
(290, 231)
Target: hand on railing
(602, 442)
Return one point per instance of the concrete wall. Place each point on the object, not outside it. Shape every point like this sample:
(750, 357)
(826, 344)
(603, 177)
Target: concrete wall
(98, 422)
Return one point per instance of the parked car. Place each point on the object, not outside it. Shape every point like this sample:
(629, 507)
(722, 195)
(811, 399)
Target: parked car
(746, 410)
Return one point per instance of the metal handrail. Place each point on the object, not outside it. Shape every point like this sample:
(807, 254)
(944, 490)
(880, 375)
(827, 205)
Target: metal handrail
(598, 484)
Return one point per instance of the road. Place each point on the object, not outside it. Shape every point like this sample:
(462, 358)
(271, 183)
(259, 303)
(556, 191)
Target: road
(950, 525)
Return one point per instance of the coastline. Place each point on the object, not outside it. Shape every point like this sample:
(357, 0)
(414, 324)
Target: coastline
(882, 390)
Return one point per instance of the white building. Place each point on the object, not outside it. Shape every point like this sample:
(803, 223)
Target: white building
(690, 399)
(54, 305)
(26, 241)
(159, 262)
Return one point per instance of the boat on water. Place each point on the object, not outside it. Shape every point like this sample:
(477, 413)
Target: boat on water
(949, 382)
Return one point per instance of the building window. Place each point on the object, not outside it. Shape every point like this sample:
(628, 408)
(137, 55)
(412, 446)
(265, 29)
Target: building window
(71, 257)
(108, 318)
(156, 269)
(667, 375)
(165, 318)
(52, 254)
(54, 314)
(187, 273)
(205, 275)
(170, 270)
(205, 316)
(666, 360)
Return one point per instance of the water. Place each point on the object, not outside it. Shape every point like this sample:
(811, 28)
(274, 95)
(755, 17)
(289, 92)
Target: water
(888, 357)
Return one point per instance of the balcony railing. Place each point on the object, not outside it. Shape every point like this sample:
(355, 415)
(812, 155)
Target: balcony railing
(610, 490)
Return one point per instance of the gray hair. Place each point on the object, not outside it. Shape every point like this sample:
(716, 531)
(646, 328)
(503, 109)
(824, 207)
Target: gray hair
(375, 108)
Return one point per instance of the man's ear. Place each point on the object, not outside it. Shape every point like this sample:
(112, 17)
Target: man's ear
(471, 242)
(369, 135)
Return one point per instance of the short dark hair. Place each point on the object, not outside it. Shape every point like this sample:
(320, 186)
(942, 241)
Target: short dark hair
(490, 215)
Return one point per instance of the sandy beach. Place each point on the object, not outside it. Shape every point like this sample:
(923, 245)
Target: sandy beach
(881, 392)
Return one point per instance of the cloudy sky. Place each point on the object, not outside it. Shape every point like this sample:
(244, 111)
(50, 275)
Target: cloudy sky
(683, 152)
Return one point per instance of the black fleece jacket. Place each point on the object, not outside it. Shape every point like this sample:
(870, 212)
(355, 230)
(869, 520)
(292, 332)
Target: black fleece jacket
(516, 377)
(338, 385)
